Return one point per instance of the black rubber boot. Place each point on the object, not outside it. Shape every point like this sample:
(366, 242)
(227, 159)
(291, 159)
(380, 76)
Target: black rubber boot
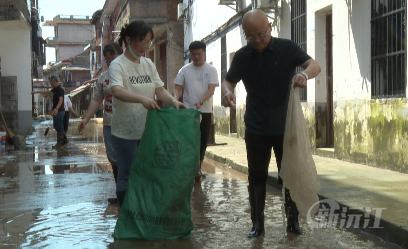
(292, 214)
(121, 197)
(60, 140)
(257, 194)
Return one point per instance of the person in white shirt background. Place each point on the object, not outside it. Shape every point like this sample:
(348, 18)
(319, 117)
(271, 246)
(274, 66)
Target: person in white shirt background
(197, 81)
(67, 107)
(134, 82)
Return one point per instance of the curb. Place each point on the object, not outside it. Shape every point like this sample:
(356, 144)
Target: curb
(390, 232)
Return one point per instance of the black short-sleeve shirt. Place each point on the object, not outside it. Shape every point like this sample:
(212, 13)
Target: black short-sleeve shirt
(267, 78)
(58, 92)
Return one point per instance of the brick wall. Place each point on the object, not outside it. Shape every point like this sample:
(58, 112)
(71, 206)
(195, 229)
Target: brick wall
(172, 9)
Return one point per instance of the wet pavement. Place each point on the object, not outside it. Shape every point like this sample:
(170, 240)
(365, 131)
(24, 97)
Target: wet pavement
(58, 199)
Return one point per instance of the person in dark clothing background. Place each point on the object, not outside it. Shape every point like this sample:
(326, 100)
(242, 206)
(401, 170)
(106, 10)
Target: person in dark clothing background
(267, 68)
(58, 109)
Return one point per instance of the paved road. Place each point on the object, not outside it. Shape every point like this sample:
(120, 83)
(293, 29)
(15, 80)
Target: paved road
(58, 199)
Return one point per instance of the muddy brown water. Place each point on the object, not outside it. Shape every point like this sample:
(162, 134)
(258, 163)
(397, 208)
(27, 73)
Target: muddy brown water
(58, 199)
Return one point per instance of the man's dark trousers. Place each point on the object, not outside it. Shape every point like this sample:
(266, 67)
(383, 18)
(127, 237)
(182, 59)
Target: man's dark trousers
(259, 151)
(58, 121)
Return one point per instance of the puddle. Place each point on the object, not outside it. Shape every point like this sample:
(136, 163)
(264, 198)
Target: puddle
(58, 199)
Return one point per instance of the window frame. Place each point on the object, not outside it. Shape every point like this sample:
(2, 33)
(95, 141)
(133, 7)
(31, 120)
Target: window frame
(299, 33)
(388, 56)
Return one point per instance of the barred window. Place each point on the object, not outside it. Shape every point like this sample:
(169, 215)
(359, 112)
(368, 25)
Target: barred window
(298, 33)
(388, 48)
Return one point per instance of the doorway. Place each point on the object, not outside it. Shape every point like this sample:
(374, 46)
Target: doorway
(329, 81)
(324, 105)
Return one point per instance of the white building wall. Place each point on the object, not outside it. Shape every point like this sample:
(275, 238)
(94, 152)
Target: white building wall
(15, 52)
(366, 130)
(15, 55)
(351, 38)
(283, 28)
(351, 47)
(235, 41)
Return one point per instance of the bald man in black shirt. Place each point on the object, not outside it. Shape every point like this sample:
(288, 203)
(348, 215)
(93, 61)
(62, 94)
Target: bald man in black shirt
(267, 68)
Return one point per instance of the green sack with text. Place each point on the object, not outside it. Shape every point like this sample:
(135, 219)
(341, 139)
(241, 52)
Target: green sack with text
(157, 200)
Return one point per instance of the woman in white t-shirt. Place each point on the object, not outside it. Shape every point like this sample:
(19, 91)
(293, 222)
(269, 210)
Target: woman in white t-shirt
(134, 82)
(101, 94)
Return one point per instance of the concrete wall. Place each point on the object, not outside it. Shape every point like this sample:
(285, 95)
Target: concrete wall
(162, 17)
(83, 33)
(174, 48)
(63, 52)
(15, 52)
(75, 32)
(143, 9)
(175, 43)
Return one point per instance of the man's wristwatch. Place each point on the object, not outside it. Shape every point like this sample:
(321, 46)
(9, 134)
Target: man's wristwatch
(201, 102)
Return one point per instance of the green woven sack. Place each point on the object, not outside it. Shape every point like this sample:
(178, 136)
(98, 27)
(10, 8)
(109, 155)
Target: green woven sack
(157, 201)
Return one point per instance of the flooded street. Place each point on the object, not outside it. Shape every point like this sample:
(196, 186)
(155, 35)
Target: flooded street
(58, 199)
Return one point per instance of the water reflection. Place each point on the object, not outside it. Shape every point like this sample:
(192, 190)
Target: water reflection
(59, 227)
(45, 202)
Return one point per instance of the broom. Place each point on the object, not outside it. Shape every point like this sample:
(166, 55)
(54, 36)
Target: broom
(9, 134)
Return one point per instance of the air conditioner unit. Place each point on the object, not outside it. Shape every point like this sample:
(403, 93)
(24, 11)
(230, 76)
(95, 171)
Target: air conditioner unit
(181, 7)
(226, 2)
(267, 4)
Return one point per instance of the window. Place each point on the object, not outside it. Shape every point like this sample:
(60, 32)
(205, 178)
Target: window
(388, 48)
(298, 33)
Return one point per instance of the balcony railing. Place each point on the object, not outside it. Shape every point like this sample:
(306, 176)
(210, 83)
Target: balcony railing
(73, 84)
(55, 40)
(14, 10)
(71, 18)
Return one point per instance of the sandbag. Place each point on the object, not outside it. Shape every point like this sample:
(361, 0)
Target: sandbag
(298, 170)
(157, 200)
